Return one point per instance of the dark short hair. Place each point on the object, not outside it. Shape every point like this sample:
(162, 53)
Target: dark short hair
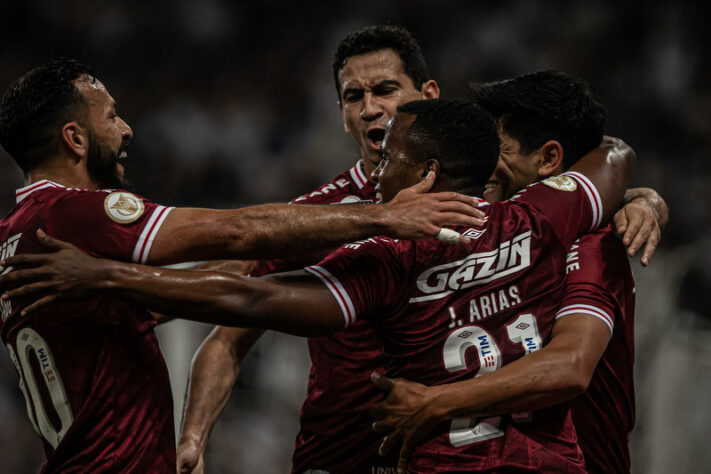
(36, 106)
(459, 134)
(545, 105)
(375, 38)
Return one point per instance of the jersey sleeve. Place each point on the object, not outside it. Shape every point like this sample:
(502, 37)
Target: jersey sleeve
(598, 278)
(361, 277)
(570, 202)
(118, 225)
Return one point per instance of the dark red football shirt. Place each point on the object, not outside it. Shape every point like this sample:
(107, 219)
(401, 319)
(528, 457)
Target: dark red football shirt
(335, 434)
(91, 371)
(600, 282)
(451, 312)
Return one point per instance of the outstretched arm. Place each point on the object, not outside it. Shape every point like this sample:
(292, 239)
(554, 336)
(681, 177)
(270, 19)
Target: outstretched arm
(280, 230)
(295, 303)
(556, 373)
(215, 369)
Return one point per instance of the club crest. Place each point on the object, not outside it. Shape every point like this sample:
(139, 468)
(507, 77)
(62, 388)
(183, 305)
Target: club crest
(123, 207)
(561, 183)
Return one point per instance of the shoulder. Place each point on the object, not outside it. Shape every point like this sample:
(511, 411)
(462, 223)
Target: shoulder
(349, 187)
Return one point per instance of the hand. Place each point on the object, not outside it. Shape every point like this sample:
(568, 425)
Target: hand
(639, 223)
(64, 273)
(415, 214)
(190, 457)
(407, 415)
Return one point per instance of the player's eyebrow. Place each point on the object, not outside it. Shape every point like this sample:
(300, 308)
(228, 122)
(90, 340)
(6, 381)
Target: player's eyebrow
(380, 85)
(386, 83)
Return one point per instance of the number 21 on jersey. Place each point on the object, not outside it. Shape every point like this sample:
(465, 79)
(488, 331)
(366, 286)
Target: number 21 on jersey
(524, 330)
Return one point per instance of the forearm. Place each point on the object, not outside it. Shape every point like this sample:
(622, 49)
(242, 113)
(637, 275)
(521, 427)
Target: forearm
(655, 201)
(213, 297)
(267, 231)
(213, 374)
(539, 380)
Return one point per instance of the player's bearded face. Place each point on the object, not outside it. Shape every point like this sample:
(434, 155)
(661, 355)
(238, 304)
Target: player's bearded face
(103, 163)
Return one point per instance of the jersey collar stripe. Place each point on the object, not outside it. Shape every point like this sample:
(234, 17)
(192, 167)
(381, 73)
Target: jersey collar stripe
(145, 240)
(357, 174)
(337, 290)
(587, 309)
(593, 197)
(22, 193)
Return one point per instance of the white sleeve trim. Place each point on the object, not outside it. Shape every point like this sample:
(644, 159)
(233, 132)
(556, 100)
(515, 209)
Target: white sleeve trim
(336, 288)
(587, 309)
(593, 197)
(150, 230)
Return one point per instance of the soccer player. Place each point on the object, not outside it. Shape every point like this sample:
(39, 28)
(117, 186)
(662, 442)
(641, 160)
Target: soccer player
(546, 122)
(375, 69)
(94, 380)
(419, 295)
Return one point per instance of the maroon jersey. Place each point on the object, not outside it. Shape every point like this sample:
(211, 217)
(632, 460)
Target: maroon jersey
(91, 371)
(599, 282)
(451, 312)
(335, 433)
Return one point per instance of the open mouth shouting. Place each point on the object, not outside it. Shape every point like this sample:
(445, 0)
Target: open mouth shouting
(375, 137)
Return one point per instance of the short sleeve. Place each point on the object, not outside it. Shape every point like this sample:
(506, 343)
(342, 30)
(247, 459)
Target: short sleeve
(597, 278)
(360, 276)
(119, 224)
(570, 202)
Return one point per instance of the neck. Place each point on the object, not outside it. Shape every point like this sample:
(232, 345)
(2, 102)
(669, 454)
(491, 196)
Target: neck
(368, 169)
(69, 176)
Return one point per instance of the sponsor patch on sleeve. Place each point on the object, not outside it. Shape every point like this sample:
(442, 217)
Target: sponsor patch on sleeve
(561, 183)
(123, 207)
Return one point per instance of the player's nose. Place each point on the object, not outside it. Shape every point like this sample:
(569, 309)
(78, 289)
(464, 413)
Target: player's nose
(371, 107)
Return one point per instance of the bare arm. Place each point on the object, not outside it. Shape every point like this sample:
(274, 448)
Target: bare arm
(552, 375)
(215, 369)
(280, 230)
(295, 303)
(609, 170)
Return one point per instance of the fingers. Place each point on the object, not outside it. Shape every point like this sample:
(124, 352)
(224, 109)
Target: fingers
(39, 304)
(25, 260)
(631, 230)
(450, 236)
(381, 426)
(405, 453)
(390, 442)
(51, 242)
(424, 185)
(20, 277)
(640, 237)
(382, 382)
(28, 290)
(620, 221)
(651, 246)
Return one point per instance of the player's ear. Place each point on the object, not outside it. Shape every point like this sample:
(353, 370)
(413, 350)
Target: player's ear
(431, 165)
(551, 159)
(429, 90)
(75, 138)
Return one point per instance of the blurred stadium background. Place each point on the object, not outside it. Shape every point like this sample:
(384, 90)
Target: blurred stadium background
(233, 103)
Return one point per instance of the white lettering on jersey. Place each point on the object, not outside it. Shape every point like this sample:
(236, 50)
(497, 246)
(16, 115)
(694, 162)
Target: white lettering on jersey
(476, 269)
(357, 244)
(572, 261)
(487, 305)
(7, 250)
